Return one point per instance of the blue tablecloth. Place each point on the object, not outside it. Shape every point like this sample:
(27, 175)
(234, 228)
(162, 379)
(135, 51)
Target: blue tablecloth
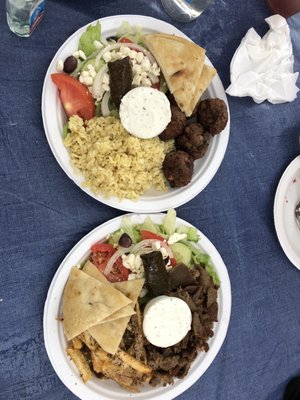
(43, 214)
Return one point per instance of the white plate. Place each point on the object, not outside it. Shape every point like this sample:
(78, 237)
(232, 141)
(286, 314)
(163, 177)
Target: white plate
(54, 118)
(286, 198)
(97, 389)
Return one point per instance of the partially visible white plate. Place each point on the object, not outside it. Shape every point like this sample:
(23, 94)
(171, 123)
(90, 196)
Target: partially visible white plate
(96, 389)
(54, 118)
(286, 198)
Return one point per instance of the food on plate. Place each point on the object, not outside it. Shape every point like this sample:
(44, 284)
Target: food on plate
(182, 63)
(168, 323)
(114, 162)
(74, 96)
(145, 112)
(156, 275)
(175, 126)
(87, 302)
(152, 84)
(178, 167)
(213, 115)
(70, 64)
(194, 140)
(167, 320)
(120, 74)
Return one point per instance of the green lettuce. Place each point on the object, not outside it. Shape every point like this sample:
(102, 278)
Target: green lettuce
(199, 257)
(87, 39)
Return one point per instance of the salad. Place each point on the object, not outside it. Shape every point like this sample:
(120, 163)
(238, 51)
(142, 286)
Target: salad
(119, 256)
(85, 88)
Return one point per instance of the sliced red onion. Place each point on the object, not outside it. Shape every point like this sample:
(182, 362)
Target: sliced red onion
(114, 258)
(97, 89)
(147, 53)
(146, 246)
(105, 111)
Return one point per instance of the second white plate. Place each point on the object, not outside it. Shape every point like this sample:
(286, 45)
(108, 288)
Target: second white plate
(286, 198)
(96, 389)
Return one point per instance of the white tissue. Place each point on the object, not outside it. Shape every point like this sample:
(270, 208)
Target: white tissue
(262, 68)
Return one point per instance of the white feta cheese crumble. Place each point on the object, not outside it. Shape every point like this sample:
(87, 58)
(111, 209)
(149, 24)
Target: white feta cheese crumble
(134, 263)
(176, 237)
(98, 44)
(156, 245)
(145, 64)
(125, 50)
(88, 81)
(106, 56)
(81, 55)
(60, 66)
(136, 81)
(139, 56)
(146, 82)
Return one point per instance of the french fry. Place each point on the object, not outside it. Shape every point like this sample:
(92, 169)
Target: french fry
(77, 343)
(89, 341)
(133, 362)
(139, 315)
(81, 363)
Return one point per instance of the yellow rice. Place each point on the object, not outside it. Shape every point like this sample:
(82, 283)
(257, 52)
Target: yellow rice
(113, 162)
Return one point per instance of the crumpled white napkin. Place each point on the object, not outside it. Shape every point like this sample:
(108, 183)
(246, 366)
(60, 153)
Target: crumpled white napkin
(262, 68)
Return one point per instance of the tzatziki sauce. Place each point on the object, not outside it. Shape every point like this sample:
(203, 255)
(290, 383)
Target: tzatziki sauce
(166, 320)
(145, 112)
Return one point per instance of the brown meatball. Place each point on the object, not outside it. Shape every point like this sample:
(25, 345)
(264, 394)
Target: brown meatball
(213, 115)
(194, 140)
(175, 126)
(178, 167)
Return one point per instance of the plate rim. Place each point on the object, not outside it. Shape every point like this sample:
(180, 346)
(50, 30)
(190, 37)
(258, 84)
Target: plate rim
(159, 204)
(170, 392)
(278, 200)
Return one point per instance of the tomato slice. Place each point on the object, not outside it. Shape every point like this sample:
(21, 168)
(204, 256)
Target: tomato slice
(156, 85)
(125, 40)
(101, 253)
(75, 97)
(150, 235)
(104, 247)
(173, 262)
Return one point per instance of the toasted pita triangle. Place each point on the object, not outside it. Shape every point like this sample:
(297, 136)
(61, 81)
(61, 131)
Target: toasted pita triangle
(207, 76)
(181, 62)
(126, 311)
(87, 301)
(109, 334)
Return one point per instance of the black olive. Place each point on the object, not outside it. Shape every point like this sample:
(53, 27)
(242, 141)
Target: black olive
(70, 64)
(125, 240)
(115, 38)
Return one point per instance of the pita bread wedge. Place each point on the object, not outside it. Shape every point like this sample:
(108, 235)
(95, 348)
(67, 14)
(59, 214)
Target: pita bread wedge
(91, 269)
(207, 76)
(109, 335)
(87, 301)
(126, 311)
(181, 62)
